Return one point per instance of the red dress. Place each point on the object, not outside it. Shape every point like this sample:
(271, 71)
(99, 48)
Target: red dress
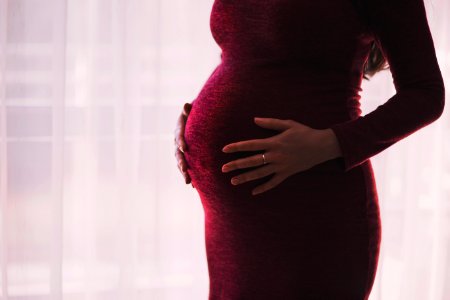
(317, 234)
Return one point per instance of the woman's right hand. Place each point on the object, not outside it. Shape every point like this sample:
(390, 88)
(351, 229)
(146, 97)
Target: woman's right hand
(180, 145)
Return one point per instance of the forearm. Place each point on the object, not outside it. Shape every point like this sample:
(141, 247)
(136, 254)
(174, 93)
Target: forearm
(331, 148)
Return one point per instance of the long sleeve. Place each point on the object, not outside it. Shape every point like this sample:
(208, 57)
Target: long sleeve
(401, 30)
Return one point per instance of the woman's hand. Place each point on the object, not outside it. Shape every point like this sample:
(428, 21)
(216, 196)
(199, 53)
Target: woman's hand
(297, 148)
(180, 145)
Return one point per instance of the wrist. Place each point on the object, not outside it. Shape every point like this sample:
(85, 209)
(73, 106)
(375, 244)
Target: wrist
(331, 148)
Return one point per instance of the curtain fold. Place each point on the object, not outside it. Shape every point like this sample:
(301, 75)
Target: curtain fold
(92, 205)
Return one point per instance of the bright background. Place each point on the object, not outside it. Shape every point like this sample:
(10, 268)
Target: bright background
(93, 205)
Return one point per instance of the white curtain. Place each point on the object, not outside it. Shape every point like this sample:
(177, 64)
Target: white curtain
(92, 205)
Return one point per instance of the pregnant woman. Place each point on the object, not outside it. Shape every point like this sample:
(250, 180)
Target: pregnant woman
(291, 205)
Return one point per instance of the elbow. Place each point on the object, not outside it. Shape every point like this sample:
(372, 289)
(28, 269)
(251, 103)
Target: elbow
(438, 100)
(434, 94)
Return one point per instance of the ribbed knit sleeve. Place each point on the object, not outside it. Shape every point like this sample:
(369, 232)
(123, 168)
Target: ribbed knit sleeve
(401, 30)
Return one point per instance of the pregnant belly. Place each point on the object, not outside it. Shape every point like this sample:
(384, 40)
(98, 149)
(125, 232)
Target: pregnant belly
(223, 113)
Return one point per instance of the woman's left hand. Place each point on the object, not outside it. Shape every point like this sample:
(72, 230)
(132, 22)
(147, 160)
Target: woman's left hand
(297, 148)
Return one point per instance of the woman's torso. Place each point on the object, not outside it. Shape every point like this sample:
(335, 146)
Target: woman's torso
(281, 59)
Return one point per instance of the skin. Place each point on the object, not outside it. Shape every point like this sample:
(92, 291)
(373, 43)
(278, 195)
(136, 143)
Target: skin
(296, 148)
(180, 144)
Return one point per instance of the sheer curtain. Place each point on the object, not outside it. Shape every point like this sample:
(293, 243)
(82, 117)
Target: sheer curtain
(92, 205)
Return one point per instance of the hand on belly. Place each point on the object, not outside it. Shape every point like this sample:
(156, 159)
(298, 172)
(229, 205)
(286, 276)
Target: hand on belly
(297, 148)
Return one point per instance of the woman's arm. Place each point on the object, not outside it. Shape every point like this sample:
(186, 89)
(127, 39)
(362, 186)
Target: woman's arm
(401, 29)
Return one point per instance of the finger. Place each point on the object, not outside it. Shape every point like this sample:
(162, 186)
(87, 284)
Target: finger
(183, 169)
(178, 146)
(247, 162)
(181, 161)
(179, 134)
(180, 128)
(249, 145)
(181, 148)
(182, 120)
(254, 174)
(272, 123)
(187, 178)
(187, 108)
(186, 111)
(182, 143)
(273, 182)
(182, 166)
(177, 151)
